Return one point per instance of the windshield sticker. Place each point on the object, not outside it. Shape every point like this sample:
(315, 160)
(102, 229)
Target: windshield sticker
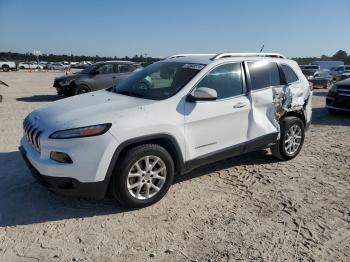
(193, 66)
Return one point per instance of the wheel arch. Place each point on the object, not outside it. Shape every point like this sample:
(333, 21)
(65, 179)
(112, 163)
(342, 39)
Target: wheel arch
(165, 140)
(83, 84)
(299, 114)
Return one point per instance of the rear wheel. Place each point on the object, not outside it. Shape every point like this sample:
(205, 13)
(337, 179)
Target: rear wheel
(291, 138)
(143, 176)
(5, 68)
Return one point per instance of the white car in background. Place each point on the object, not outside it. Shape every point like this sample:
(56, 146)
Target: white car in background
(57, 66)
(30, 65)
(7, 65)
(173, 116)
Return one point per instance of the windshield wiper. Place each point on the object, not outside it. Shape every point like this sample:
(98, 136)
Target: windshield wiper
(130, 93)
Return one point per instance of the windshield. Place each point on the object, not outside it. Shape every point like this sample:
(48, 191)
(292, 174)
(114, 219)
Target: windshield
(159, 81)
(89, 69)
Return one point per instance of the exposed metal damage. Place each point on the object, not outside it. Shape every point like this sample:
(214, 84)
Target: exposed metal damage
(288, 100)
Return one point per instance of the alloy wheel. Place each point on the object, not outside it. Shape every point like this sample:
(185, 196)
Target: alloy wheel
(293, 139)
(146, 177)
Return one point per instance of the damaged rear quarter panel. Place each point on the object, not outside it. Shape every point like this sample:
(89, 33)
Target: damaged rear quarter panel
(270, 104)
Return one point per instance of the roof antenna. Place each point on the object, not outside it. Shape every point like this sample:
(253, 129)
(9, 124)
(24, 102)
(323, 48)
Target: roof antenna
(262, 48)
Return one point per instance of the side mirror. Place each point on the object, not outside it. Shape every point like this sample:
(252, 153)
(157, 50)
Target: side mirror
(203, 94)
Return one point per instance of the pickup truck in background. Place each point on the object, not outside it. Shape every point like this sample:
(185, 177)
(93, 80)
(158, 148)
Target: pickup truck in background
(7, 65)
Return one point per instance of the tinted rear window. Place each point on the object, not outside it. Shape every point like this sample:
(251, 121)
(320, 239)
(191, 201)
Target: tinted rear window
(289, 74)
(263, 74)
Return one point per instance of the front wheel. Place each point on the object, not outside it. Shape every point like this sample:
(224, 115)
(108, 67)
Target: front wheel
(81, 89)
(5, 68)
(292, 133)
(143, 176)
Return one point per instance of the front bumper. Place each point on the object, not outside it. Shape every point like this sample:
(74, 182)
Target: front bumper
(66, 185)
(63, 90)
(338, 102)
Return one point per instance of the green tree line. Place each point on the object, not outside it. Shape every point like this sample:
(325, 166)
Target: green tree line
(72, 58)
(341, 55)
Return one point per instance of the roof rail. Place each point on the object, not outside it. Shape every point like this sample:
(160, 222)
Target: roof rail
(184, 55)
(225, 55)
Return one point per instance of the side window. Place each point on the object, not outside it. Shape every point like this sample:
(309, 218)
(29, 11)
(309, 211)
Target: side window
(106, 69)
(125, 68)
(225, 79)
(263, 74)
(289, 74)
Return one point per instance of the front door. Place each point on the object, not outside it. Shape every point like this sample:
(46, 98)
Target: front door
(105, 77)
(212, 126)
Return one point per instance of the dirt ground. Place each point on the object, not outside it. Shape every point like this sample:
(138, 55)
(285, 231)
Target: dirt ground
(250, 208)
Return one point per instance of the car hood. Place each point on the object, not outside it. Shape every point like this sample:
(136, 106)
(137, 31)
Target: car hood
(90, 109)
(68, 77)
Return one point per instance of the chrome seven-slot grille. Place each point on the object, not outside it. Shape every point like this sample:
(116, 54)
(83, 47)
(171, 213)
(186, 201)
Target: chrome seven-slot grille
(32, 133)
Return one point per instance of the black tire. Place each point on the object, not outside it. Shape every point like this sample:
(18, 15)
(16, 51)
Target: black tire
(5, 68)
(279, 149)
(119, 181)
(81, 89)
(22, 67)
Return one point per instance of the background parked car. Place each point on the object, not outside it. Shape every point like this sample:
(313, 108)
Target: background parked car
(309, 70)
(7, 66)
(338, 71)
(95, 77)
(321, 79)
(29, 65)
(56, 66)
(80, 65)
(338, 97)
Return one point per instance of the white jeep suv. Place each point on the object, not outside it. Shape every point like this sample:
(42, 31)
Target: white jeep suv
(129, 141)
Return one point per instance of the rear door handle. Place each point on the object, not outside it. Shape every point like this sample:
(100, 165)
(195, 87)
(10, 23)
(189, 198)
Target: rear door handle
(240, 105)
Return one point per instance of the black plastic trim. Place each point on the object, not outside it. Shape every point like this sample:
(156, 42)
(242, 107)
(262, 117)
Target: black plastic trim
(66, 185)
(254, 144)
(179, 159)
(72, 187)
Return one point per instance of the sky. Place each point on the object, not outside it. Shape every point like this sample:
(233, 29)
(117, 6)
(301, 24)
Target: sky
(159, 28)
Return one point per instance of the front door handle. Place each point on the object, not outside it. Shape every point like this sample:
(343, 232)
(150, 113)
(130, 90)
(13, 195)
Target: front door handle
(113, 77)
(240, 105)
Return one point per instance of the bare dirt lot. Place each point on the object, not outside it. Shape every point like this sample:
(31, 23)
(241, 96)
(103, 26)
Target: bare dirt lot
(250, 208)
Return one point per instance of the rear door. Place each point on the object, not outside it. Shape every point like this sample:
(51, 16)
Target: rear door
(212, 126)
(263, 78)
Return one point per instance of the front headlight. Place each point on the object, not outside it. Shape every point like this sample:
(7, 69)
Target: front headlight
(86, 131)
(66, 82)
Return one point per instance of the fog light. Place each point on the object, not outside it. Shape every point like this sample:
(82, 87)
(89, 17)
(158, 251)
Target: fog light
(61, 157)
